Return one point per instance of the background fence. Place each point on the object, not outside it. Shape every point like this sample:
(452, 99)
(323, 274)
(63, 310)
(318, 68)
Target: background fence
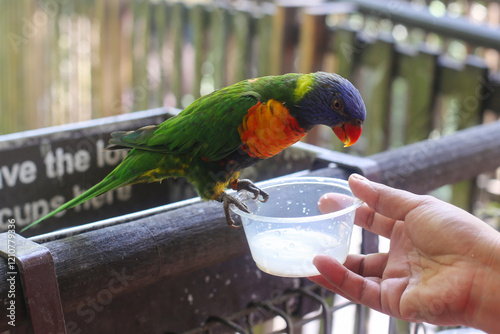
(67, 61)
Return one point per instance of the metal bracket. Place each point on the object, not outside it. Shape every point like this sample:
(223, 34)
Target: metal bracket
(39, 281)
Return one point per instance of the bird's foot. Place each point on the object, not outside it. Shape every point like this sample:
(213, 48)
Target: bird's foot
(226, 201)
(249, 186)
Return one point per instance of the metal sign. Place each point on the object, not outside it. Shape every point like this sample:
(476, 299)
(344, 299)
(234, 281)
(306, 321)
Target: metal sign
(42, 169)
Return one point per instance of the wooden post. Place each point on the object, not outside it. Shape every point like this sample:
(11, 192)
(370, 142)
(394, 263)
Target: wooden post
(374, 82)
(218, 46)
(198, 18)
(140, 50)
(178, 19)
(347, 51)
(264, 27)
(312, 42)
(462, 88)
(242, 23)
(284, 38)
(159, 17)
(109, 87)
(418, 70)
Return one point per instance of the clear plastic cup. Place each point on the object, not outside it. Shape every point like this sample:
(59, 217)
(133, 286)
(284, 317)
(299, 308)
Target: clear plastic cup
(288, 231)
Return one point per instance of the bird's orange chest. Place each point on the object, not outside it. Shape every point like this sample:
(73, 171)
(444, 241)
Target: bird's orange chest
(267, 129)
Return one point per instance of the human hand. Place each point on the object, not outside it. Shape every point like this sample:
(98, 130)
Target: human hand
(443, 266)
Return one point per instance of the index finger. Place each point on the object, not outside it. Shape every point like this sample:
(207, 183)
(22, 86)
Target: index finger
(374, 222)
(389, 202)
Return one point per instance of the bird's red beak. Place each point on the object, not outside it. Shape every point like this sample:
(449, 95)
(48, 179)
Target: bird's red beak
(348, 133)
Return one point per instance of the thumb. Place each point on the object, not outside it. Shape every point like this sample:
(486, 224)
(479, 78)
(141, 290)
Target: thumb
(390, 202)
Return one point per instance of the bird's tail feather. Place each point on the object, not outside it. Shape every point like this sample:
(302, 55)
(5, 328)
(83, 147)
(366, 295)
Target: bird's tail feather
(110, 182)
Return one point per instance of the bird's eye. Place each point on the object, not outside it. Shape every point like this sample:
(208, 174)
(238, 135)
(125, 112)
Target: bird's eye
(337, 104)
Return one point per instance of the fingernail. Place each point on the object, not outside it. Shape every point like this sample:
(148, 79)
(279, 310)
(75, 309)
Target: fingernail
(359, 177)
(318, 258)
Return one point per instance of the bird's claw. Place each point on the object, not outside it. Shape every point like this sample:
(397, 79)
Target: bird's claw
(250, 187)
(226, 201)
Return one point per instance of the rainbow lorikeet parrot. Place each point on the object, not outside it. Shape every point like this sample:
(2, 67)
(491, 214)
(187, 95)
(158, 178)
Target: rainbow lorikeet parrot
(221, 133)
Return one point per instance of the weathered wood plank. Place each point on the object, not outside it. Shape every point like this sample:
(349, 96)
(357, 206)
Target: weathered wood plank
(243, 25)
(110, 84)
(460, 86)
(16, 79)
(427, 165)
(284, 38)
(264, 30)
(186, 300)
(312, 42)
(159, 20)
(347, 50)
(199, 19)
(177, 35)
(418, 69)
(374, 79)
(218, 46)
(140, 53)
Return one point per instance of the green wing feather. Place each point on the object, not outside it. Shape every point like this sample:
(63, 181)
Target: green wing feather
(207, 128)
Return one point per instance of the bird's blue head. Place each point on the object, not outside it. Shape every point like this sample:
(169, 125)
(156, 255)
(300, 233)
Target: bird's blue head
(329, 99)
